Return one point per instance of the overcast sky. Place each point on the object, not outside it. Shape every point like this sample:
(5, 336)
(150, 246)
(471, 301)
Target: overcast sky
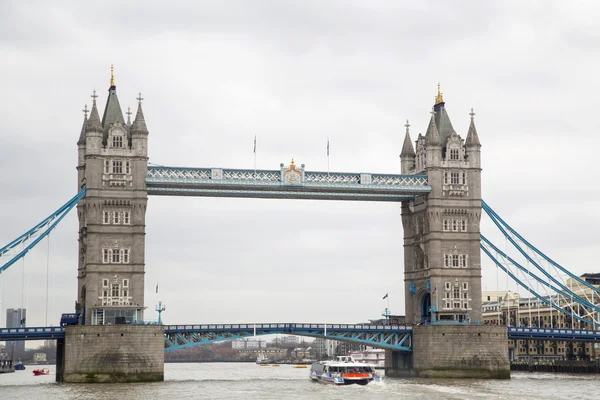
(215, 73)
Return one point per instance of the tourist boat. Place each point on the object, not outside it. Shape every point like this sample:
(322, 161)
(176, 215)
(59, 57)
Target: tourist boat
(343, 371)
(262, 360)
(18, 366)
(43, 371)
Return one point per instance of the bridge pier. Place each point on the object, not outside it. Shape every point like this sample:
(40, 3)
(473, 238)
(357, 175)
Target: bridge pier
(454, 351)
(60, 360)
(111, 353)
(398, 364)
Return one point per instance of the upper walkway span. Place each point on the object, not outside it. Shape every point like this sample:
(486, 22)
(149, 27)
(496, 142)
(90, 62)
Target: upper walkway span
(286, 183)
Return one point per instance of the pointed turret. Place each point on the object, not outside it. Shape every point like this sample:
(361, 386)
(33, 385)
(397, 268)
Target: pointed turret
(93, 123)
(112, 111)
(407, 147)
(139, 123)
(81, 140)
(442, 120)
(473, 145)
(139, 132)
(407, 155)
(432, 136)
(472, 137)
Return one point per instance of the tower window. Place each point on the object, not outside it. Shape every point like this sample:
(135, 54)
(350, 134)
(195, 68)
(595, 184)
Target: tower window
(105, 283)
(464, 178)
(116, 217)
(453, 177)
(118, 141)
(106, 167)
(126, 218)
(127, 168)
(445, 178)
(454, 225)
(125, 282)
(463, 225)
(106, 217)
(447, 285)
(117, 167)
(116, 256)
(454, 154)
(105, 256)
(465, 286)
(125, 256)
(446, 225)
(454, 260)
(115, 290)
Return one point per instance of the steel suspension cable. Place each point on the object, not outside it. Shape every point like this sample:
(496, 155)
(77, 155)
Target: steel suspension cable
(489, 211)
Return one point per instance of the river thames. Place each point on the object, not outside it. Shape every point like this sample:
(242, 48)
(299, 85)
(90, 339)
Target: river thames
(250, 381)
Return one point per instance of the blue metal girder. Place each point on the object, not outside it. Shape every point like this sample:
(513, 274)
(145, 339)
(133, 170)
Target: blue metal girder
(562, 334)
(218, 182)
(35, 333)
(393, 337)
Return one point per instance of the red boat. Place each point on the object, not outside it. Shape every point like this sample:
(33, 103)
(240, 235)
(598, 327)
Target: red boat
(43, 371)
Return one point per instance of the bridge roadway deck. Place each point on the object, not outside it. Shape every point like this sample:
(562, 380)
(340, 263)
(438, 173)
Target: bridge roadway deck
(393, 337)
(284, 183)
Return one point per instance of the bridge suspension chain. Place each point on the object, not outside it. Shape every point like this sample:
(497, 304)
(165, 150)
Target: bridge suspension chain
(10, 253)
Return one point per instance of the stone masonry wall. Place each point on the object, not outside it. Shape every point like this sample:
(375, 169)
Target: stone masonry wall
(114, 353)
(460, 351)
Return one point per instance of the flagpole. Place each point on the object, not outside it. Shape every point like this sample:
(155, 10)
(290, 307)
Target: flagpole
(328, 156)
(254, 155)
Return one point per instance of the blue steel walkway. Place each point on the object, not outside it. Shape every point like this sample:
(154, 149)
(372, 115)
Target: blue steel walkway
(563, 334)
(394, 337)
(181, 336)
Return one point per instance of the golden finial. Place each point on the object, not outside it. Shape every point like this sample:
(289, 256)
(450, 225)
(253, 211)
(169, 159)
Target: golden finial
(440, 96)
(112, 75)
(292, 165)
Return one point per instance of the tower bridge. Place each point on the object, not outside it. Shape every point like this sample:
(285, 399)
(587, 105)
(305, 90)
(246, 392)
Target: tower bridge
(439, 189)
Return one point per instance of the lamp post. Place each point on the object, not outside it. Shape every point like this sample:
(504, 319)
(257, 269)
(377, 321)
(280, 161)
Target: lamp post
(160, 308)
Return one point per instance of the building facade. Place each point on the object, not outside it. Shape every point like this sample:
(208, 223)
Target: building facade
(442, 269)
(248, 344)
(509, 308)
(112, 165)
(16, 318)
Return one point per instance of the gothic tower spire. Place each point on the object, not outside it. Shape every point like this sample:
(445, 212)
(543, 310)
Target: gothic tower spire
(139, 123)
(472, 137)
(112, 110)
(407, 155)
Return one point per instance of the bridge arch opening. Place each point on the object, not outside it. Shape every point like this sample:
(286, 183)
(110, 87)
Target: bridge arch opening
(426, 308)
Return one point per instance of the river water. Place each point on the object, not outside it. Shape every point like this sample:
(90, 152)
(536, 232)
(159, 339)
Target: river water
(250, 381)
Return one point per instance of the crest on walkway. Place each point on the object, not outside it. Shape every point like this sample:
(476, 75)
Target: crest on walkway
(292, 175)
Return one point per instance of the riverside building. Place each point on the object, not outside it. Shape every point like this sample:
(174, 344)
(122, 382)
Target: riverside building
(509, 308)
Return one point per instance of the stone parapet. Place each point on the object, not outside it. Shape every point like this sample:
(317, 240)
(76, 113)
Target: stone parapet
(113, 353)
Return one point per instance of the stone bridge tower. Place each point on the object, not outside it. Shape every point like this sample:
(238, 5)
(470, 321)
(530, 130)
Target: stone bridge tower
(112, 165)
(442, 269)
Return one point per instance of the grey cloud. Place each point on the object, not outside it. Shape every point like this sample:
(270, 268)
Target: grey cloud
(214, 74)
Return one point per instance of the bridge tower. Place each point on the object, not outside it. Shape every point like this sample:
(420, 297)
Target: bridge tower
(112, 164)
(442, 267)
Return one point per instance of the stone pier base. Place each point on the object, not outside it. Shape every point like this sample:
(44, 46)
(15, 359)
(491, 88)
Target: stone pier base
(113, 353)
(454, 351)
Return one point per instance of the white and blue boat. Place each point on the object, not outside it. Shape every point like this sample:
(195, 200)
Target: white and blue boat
(344, 370)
